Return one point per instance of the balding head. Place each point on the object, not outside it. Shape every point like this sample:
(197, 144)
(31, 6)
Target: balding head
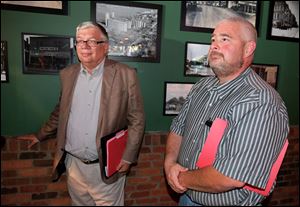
(247, 30)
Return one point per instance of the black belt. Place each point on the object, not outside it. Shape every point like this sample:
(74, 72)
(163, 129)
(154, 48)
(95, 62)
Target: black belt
(85, 161)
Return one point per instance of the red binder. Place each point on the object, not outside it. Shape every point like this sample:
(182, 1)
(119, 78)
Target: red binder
(208, 153)
(113, 147)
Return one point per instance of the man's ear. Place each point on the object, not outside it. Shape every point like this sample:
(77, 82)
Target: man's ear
(249, 48)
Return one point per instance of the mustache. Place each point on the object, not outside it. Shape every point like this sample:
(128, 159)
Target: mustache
(216, 53)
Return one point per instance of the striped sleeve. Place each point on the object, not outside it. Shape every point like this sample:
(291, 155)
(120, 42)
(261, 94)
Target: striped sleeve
(253, 143)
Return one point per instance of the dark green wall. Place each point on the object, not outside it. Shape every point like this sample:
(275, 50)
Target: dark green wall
(28, 99)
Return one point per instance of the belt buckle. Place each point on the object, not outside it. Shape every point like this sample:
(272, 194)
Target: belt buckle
(85, 161)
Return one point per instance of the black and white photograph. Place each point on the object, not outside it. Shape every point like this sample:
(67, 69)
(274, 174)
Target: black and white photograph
(196, 62)
(175, 96)
(4, 62)
(267, 72)
(46, 54)
(283, 21)
(49, 7)
(134, 29)
(202, 16)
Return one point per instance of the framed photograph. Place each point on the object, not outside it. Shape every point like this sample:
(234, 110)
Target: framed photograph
(195, 61)
(134, 29)
(267, 72)
(283, 21)
(175, 96)
(202, 16)
(46, 54)
(4, 62)
(49, 7)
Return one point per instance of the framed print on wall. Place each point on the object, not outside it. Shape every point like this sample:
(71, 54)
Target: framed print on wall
(49, 7)
(202, 16)
(4, 62)
(195, 61)
(267, 72)
(283, 21)
(134, 29)
(175, 96)
(46, 54)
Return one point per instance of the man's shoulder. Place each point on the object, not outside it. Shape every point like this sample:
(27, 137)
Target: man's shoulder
(70, 69)
(118, 65)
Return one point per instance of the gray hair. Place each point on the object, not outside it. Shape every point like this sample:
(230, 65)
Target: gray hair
(89, 24)
(249, 30)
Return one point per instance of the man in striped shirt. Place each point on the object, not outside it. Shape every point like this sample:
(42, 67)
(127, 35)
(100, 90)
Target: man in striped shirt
(257, 126)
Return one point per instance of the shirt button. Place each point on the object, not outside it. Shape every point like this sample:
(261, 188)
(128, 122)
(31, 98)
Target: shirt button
(202, 122)
(210, 104)
(186, 159)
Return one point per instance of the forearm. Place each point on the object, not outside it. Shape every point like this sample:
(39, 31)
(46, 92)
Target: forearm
(172, 148)
(50, 127)
(208, 180)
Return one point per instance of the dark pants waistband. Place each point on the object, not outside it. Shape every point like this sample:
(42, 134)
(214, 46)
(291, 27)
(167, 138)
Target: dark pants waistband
(87, 162)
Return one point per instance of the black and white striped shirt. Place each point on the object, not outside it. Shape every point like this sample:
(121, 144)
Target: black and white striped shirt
(256, 130)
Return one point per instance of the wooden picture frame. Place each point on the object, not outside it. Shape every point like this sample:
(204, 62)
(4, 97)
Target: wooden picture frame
(48, 7)
(196, 16)
(175, 96)
(283, 18)
(134, 29)
(46, 54)
(195, 59)
(268, 72)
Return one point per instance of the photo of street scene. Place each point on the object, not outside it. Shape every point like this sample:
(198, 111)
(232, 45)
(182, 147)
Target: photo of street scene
(46, 54)
(175, 96)
(196, 63)
(133, 31)
(285, 19)
(206, 14)
(267, 73)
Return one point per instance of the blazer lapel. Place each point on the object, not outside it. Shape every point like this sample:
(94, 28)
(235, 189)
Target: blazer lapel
(107, 83)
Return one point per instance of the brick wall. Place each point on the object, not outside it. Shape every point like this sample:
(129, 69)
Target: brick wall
(25, 175)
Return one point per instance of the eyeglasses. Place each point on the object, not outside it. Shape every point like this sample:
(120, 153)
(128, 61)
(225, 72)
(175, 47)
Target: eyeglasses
(91, 43)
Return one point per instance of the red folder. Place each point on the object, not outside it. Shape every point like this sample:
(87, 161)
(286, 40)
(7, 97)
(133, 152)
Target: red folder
(113, 147)
(208, 153)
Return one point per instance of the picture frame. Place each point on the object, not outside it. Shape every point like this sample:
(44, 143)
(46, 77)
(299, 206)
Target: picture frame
(46, 54)
(174, 96)
(47, 7)
(282, 23)
(4, 62)
(195, 59)
(195, 14)
(134, 29)
(268, 72)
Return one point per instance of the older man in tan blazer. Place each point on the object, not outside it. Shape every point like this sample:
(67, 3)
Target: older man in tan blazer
(98, 96)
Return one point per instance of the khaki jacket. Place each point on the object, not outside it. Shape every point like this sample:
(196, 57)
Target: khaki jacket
(121, 105)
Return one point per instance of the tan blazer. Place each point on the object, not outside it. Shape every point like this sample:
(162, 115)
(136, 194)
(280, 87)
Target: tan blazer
(121, 105)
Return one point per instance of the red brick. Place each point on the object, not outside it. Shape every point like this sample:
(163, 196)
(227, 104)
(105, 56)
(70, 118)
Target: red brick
(33, 188)
(16, 164)
(35, 172)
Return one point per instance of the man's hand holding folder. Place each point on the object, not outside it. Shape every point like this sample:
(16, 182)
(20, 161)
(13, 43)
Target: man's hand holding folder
(113, 147)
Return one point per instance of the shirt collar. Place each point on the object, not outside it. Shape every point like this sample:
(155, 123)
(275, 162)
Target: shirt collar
(223, 89)
(98, 70)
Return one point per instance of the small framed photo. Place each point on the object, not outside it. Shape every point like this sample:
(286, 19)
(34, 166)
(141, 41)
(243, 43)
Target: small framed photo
(195, 61)
(267, 72)
(283, 21)
(175, 96)
(134, 29)
(48, 7)
(4, 62)
(46, 54)
(203, 16)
